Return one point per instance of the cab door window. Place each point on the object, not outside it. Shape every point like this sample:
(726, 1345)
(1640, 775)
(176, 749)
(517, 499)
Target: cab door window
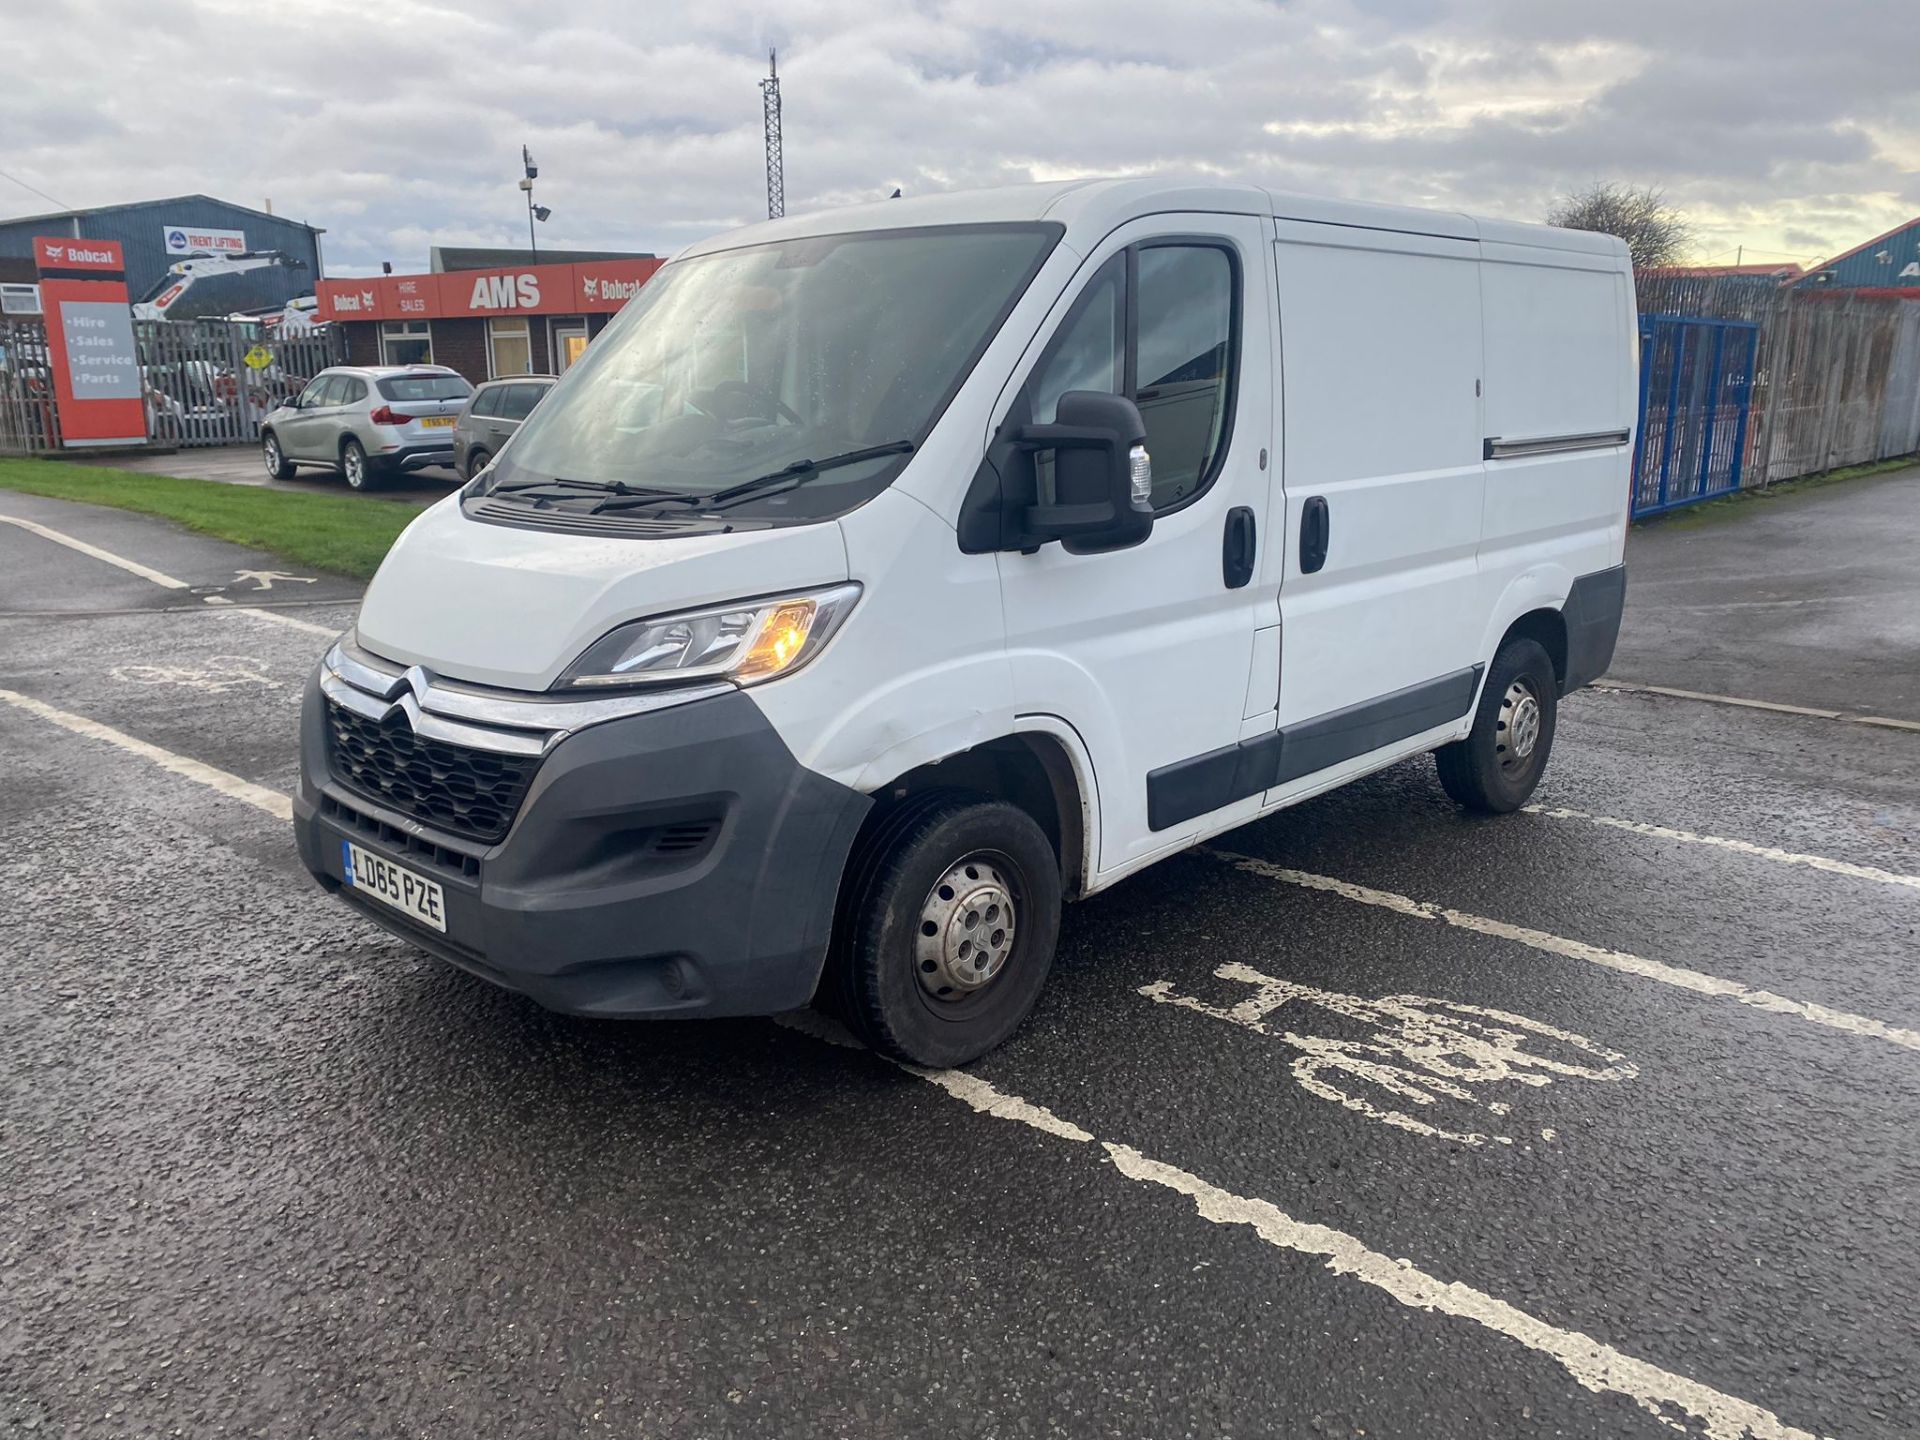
(1158, 324)
(1183, 369)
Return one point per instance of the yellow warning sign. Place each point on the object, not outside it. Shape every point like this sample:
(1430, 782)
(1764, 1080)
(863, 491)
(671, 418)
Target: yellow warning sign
(258, 358)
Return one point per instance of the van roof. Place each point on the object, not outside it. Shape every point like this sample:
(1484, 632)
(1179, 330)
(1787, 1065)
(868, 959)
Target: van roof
(1101, 204)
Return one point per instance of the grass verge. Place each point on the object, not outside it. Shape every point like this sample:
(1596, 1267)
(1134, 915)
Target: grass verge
(1726, 506)
(344, 534)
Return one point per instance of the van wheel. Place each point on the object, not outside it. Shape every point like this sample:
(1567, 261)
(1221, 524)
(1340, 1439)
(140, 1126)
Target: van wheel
(278, 466)
(1497, 766)
(353, 465)
(949, 929)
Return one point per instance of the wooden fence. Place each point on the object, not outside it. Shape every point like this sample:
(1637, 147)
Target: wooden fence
(1837, 378)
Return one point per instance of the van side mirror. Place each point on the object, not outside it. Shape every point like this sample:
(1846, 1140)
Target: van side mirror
(1102, 477)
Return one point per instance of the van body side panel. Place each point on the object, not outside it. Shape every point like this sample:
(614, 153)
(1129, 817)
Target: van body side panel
(1560, 402)
(1380, 344)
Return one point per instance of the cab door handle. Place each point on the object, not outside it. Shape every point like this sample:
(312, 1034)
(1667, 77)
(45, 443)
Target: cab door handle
(1237, 550)
(1316, 531)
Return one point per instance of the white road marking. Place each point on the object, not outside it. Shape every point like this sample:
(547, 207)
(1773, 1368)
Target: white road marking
(145, 572)
(1594, 1366)
(275, 617)
(1418, 1050)
(132, 567)
(1743, 847)
(220, 674)
(1620, 960)
(263, 579)
(1630, 687)
(271, 801)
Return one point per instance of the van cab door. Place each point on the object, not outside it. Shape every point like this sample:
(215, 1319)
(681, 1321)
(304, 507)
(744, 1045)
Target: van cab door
(1381, 444)
(1146, 652)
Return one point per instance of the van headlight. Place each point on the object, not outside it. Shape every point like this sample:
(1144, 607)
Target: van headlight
(746, 643)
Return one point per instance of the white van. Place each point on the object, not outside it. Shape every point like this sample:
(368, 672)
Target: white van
(882, 578)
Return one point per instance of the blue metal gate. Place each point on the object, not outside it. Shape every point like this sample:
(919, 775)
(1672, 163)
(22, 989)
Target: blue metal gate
(1696, 386)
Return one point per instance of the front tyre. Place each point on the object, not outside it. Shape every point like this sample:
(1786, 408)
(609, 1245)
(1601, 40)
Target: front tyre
(1496, 768)
(278, 466)
(950, 927)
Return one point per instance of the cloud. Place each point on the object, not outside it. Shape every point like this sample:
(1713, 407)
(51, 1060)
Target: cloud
(397, 124)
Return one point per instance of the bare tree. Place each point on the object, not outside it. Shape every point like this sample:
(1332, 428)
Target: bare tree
(1655, 232)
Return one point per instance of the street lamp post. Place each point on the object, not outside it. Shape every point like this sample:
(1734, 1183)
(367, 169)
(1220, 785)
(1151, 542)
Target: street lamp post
(534, 212)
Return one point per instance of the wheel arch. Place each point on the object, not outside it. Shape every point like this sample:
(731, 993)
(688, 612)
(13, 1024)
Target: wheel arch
(1034, 768)
(1548, 627)
(1533, 605)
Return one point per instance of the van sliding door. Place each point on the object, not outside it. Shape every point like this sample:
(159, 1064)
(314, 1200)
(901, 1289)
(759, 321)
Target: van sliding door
(1383, 490)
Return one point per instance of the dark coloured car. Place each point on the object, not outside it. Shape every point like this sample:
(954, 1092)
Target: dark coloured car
(489, 422)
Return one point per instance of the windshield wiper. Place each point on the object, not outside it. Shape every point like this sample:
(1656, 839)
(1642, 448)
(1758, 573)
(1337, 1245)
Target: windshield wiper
(801, 471)
(558, 482)
(785, 478)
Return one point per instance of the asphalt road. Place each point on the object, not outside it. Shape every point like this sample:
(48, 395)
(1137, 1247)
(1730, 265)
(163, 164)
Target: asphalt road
(266, 1171)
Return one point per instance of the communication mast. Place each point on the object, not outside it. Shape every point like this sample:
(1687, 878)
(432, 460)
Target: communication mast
(776, 176)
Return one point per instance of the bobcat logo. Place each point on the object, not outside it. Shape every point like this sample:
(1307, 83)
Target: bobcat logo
(590, 286)
(366, 298)
(56, 250)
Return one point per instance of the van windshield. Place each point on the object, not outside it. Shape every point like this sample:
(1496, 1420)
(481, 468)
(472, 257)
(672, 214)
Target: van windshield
(729, 367)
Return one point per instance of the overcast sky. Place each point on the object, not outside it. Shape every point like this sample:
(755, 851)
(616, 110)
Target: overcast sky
(1792, 129)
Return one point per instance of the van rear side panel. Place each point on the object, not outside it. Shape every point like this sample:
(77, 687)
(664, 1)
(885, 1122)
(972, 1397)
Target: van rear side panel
(1559, 410)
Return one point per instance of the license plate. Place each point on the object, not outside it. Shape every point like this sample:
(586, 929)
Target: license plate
(393, 885)
(437, 422)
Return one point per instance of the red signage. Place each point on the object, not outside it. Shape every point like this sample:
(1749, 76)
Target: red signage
(598, 287)
(55, 253)
(97, 381)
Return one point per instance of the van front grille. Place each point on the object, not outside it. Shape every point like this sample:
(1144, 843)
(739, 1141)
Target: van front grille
(470, 793)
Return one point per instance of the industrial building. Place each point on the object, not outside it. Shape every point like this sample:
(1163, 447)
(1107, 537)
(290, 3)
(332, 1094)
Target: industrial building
(187, 257)
(1888, 264)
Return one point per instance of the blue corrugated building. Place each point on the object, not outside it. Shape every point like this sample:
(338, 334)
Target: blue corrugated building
(1886, 265)
(159, 233)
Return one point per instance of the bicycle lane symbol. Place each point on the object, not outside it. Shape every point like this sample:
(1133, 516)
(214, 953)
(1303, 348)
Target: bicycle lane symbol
(1414, 1051)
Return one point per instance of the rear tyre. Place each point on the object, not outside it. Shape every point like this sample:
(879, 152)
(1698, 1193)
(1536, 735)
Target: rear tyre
(476, 462)
(948, 930)
(278, 466)
(1497, 766)
(354, 467)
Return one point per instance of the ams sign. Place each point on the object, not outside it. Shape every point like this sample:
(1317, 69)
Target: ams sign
(505, 292)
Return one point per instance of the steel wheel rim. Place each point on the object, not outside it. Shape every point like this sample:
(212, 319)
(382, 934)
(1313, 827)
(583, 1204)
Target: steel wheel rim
(1517, 731)
(966, 930)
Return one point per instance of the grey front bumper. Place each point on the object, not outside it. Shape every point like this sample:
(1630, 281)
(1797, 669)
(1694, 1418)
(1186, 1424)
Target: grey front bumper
(680, 862)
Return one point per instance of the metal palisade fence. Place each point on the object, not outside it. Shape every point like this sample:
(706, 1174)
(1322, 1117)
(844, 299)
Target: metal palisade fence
(211, 382)
(204, 382)
(28, 420)
(1827, 381)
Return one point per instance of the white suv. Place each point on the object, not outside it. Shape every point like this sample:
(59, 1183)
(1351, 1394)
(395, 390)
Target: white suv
(366, 421)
